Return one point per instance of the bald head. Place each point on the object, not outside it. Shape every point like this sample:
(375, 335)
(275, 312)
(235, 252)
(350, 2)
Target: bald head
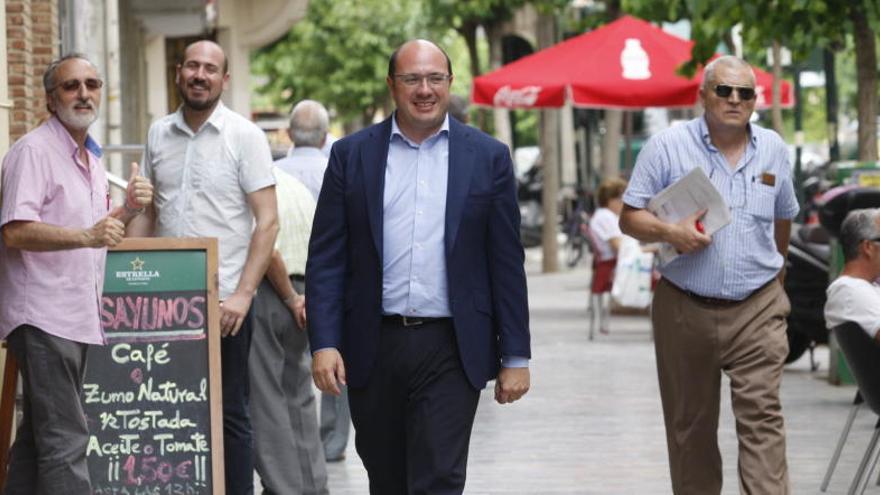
(206, 46)
(308, 124)
(392, 62)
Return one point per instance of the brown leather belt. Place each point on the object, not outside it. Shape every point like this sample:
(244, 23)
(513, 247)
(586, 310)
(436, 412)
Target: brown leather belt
(717, 301)
(412, 321)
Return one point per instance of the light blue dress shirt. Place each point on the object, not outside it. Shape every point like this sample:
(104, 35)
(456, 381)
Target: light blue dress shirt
(414, 218)
(742, 256)
(306, 164)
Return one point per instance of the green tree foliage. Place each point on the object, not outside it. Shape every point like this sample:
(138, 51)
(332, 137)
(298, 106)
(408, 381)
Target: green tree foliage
(338, 55)
(469, 15)
(800, 25)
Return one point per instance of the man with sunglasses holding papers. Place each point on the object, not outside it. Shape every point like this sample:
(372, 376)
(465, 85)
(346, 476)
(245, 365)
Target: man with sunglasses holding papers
(57, 225)
(720, 305)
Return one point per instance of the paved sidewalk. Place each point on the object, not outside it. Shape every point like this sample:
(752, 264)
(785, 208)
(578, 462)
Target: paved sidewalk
(592, 422)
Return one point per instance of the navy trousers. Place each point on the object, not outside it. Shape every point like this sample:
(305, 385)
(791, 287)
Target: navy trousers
(238, 442)
(413, 419)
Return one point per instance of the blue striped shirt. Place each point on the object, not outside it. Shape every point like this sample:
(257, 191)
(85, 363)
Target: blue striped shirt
(742, 256)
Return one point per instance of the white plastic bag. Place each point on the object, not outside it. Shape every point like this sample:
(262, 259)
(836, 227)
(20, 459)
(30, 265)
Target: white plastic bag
(632, 276)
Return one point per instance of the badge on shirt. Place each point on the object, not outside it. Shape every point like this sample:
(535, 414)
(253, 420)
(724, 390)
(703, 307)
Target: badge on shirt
(768, 179)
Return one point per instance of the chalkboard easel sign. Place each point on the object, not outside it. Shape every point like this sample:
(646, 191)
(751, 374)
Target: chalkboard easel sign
(152, 394)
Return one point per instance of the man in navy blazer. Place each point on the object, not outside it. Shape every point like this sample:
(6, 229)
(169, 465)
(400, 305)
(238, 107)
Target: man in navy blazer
(416, 292)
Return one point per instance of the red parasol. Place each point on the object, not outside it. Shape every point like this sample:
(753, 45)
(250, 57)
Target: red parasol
(626, 64)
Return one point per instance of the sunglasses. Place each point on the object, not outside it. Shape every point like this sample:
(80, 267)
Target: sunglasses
(71, 85)
(724, 90)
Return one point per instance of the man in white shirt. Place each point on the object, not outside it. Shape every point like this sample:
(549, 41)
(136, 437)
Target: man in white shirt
(854, 295)
(212, 171)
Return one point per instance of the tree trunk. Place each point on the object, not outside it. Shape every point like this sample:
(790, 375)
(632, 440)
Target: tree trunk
(776, 108)
(866, 75)
(501, 116)
(728, 42)
(546, 31)
(610, 166)
(468, 31)
(613, 9)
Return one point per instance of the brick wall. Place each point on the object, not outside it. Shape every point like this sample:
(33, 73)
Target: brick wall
(32, 42)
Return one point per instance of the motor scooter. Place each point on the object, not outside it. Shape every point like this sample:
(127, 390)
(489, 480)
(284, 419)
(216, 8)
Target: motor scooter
(806, 279)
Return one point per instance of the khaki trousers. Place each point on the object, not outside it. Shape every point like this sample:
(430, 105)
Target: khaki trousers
(695, 342)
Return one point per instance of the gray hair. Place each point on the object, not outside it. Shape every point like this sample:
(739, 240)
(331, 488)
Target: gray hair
(49, 82)
(728, 61)
(856, 227)
(308, 124)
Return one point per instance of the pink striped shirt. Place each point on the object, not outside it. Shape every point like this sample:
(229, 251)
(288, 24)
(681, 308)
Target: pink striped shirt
(45, 181)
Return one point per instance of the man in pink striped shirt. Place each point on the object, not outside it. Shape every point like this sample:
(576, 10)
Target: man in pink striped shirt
(56, 225)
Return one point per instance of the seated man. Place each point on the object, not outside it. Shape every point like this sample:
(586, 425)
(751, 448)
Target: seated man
(854, 295)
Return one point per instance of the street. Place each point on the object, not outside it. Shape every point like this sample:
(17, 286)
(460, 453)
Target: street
(592, 422)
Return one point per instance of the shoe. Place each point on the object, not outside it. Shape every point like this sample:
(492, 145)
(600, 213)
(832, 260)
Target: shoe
(604, 331)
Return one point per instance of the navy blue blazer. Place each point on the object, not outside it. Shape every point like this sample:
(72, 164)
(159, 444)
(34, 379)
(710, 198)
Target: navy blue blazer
(484, 255)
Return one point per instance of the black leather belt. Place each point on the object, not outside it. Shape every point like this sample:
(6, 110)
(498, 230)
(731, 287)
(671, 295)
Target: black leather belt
(412, 321)
(717, 301)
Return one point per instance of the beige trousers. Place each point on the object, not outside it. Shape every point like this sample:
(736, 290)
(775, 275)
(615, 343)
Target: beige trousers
(695, 342)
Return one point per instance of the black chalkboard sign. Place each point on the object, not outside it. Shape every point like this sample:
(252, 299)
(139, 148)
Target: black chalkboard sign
(152, 393)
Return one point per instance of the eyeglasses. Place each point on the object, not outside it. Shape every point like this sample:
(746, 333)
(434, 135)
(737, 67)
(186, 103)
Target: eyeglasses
(71, 85)
(873, 239)
(724, 90)
(412, 80)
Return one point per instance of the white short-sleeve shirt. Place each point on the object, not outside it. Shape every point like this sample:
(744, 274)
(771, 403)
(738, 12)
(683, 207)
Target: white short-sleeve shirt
(853, 299)
(202, 180)
(605, 226)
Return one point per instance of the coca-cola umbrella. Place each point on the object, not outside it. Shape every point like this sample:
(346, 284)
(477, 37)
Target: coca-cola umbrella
(626, 64)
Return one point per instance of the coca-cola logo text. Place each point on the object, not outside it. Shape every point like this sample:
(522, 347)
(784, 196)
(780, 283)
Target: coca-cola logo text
(512, 98)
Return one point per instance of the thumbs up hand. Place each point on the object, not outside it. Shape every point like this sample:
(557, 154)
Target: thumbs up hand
(139, 192)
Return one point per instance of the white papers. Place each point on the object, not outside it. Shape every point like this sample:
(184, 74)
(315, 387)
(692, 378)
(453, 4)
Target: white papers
(688, 195)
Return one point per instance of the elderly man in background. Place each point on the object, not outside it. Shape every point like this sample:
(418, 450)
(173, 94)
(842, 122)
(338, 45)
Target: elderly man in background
(307, 162)
(855, 295)
(57, 224)
(309, 122)
(720, 306)
(287, 445)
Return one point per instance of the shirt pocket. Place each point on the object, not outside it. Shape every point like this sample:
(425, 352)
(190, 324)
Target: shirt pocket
(761, 202)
